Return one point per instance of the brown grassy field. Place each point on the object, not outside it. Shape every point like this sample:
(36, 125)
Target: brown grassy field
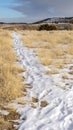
(11, 86)
(50, 26)
(52, 47)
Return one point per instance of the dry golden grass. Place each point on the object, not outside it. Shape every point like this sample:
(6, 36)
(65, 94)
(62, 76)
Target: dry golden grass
(5, 120)
(11, 85)
(53, 47)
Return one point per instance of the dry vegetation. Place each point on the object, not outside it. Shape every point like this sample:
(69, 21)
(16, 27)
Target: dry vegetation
(52, 47)
(10, 81)
(11, 86)
(38, 26)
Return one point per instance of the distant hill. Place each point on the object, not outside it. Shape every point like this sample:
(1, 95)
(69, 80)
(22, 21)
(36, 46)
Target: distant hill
(1, 23)
(45, 24)
(48, 20)
(56, 20)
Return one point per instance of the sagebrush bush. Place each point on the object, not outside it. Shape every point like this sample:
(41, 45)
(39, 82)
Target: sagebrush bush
(47, 27)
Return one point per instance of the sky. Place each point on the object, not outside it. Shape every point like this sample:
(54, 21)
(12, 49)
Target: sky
(34, 10)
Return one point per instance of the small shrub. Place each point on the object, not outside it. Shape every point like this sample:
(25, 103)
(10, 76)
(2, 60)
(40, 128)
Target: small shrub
(47, 27)
(43, 103)
(34, 100)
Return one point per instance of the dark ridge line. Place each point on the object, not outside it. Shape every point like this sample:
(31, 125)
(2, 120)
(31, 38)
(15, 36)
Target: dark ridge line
(51, 20)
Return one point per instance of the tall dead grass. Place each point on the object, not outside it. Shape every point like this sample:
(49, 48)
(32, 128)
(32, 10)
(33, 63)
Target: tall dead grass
(53, 47)
(11, 85)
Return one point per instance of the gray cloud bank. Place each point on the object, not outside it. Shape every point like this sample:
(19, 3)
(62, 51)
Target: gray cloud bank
(40, 9)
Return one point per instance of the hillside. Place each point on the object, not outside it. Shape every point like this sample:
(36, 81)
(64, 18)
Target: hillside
(56, 20)
(59, 23)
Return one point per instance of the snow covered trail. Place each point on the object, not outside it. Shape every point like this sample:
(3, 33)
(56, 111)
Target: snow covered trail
(58, 113)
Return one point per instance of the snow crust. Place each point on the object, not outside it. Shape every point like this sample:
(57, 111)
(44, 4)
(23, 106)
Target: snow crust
(58, 114)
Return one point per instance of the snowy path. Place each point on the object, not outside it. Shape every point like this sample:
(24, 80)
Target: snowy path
(58, 113)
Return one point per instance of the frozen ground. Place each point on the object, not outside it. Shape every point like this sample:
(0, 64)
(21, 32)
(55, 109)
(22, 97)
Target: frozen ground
(58, 113)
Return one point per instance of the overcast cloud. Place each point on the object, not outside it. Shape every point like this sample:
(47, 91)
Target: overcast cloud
(39, 9)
